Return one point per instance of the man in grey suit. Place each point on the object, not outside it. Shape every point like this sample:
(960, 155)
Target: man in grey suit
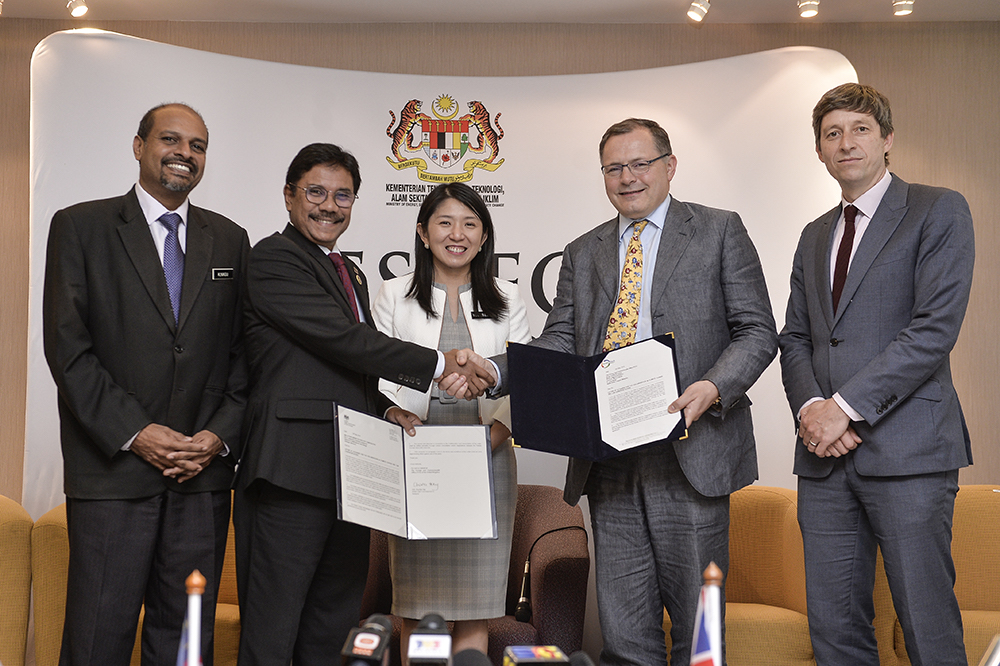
(660, 514)
(879, 289)
(143, 331)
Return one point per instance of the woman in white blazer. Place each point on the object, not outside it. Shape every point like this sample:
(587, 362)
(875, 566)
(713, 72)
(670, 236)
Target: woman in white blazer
(452, 300)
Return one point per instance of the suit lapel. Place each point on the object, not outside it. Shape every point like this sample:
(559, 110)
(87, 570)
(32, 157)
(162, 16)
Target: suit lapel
(196, 260)
(139, 245)
(323, 259)
(360, 287)
(880, 229)
(675, 237)
(607, 272)
(821, 263)
(604, 282)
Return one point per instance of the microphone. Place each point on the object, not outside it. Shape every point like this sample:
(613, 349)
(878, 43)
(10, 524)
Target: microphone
(368, 645)
(533, 654)
(580, 658)
(522, 612)
(430, 642)
(471, 657)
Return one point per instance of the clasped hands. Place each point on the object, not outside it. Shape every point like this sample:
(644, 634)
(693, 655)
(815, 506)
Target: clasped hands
(826, 430)
(176, 455)
(466, 374)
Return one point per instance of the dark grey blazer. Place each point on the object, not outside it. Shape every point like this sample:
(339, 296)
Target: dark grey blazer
(886, 349)
(120, 362)
(708, 289)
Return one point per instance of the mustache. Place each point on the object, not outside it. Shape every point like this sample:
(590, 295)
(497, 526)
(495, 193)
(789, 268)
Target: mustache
(327, 217)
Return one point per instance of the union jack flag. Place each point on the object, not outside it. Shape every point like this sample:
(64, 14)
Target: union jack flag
(706, 645)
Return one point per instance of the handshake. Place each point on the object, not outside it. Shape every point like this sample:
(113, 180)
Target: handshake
(466, 374)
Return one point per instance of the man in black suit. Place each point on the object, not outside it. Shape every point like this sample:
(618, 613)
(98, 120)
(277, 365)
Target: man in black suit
(311, 343)
(143, 335)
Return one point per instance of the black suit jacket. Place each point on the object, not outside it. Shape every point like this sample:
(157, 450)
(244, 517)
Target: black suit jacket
(119, 360)
(306, 351)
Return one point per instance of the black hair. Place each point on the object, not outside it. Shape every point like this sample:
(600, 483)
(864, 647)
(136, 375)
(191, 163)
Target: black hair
(486, 295)
(325, 154)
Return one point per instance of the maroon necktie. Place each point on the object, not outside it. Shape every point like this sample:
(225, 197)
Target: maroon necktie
(844, 255)
(345, 278)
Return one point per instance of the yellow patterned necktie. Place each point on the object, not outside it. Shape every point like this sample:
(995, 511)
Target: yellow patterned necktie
(625, 316)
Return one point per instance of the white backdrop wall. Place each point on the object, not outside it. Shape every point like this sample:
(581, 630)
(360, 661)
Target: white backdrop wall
(740, 128)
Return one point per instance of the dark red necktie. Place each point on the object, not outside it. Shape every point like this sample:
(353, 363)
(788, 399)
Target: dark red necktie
(844, 255)
(345, 278)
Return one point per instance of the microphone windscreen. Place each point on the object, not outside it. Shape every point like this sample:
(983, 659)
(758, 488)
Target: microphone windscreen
(432, 623)
(380, 620)
(580, 658)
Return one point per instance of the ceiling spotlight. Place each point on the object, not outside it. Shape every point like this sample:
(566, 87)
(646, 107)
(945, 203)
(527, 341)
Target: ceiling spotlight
(808, 8)
(698, 10)
(902, 7)
(77, 8)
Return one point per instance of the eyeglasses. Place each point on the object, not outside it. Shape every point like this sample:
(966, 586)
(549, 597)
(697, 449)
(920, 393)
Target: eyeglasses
(637, 168)
(318, 195)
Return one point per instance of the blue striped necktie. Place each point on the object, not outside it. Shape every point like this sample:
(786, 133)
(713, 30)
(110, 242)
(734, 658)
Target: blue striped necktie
(173, 261)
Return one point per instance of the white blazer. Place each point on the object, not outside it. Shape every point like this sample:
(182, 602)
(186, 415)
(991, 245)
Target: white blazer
(403, 318)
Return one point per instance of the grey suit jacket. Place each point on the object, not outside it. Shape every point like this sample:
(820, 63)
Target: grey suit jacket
(708, 289)
(120, 362)
(886, 348)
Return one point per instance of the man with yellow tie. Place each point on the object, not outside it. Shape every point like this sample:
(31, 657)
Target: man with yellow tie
(660, 514)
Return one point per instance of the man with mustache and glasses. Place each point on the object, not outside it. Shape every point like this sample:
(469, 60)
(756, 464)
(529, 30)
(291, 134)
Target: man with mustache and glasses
(311, 342)
(144, 337)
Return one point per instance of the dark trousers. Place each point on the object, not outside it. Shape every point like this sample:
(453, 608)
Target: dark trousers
(654, 535)
(301, 574)
(123, 553)
(844, 517)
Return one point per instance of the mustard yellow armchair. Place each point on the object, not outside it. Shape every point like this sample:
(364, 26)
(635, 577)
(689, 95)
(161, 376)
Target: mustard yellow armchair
(50, 563)
(766, 622)
(15, 581)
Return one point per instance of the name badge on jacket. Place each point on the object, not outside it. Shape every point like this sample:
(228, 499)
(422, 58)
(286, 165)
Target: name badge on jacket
(223, 273)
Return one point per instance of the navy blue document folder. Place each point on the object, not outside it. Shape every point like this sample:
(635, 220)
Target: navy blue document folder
(553, 401)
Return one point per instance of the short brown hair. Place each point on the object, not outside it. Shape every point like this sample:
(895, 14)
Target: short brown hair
(660, 137)
(859, 99)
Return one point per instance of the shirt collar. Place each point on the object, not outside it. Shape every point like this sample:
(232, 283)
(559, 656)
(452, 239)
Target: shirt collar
(153, 209)
(656, 218)
(868, 202)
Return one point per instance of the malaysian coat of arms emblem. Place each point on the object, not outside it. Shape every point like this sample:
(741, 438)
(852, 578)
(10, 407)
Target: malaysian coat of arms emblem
(445, 140)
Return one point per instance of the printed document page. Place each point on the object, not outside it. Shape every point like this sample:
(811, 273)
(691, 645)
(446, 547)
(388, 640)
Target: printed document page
(635, 384)
(449, 483)
(371, 472)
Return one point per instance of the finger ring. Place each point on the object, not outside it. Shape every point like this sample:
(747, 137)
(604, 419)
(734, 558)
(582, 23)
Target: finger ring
(812, 445)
